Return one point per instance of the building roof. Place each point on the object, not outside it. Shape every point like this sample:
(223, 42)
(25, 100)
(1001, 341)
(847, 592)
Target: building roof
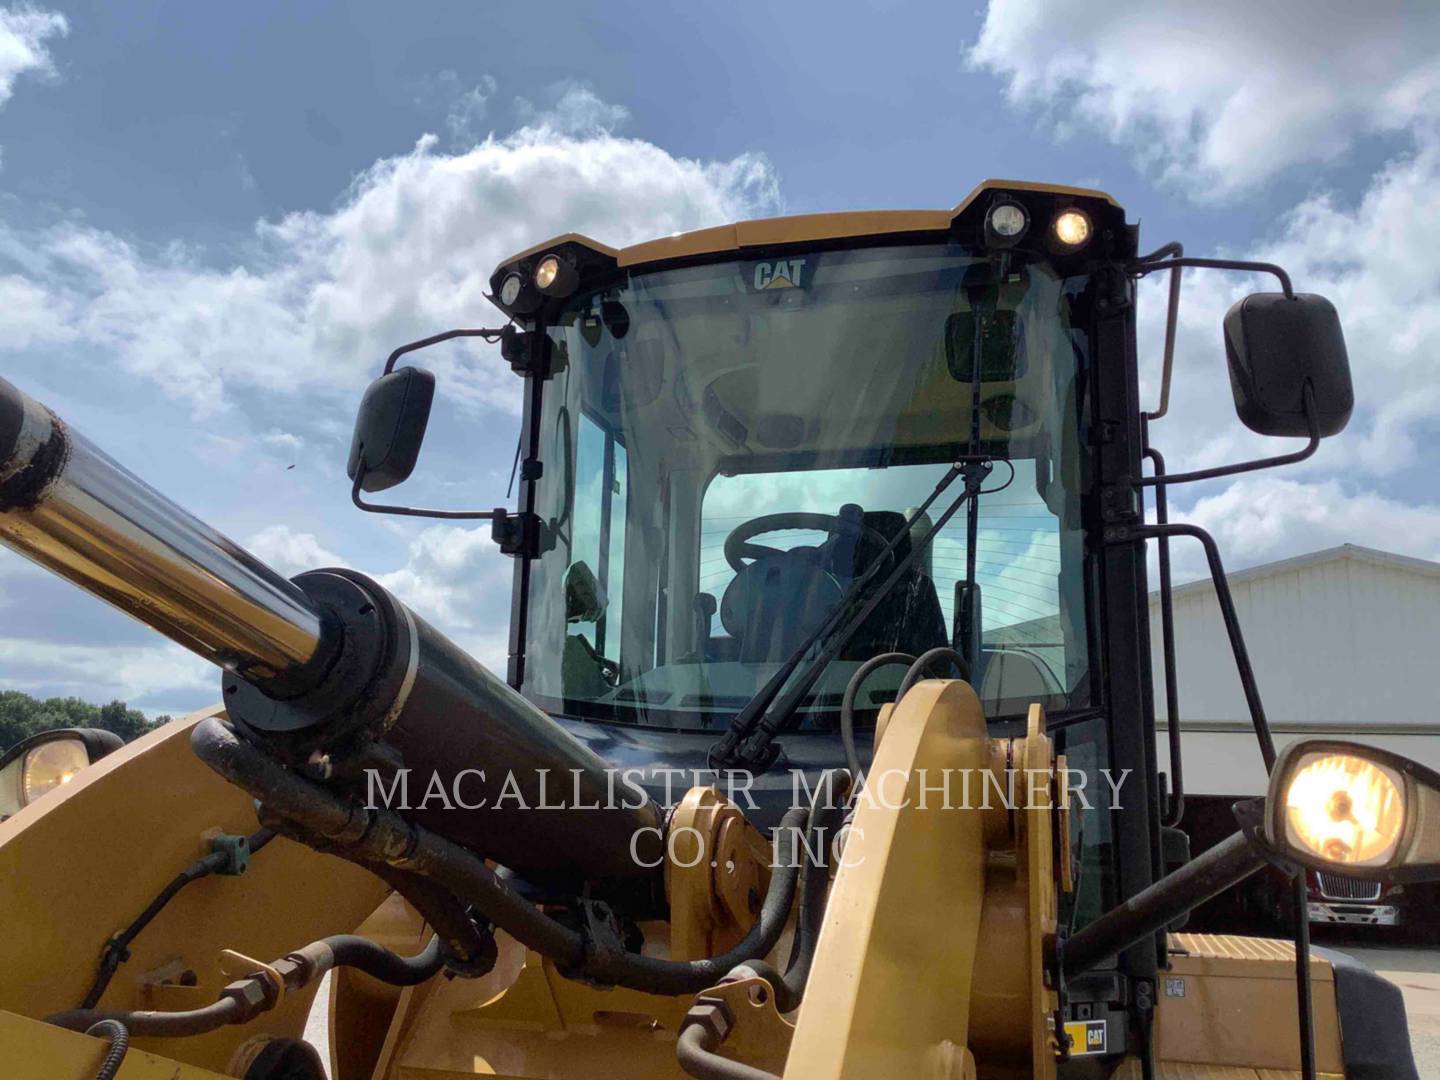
(1046, 629)
(1345, 552)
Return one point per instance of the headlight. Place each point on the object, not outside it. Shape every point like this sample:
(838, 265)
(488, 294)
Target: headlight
(50, 765)
(555, 276)
(1071, 229)
(1345, 809)
(1355, 809)
(1005, 223)
(510, 289)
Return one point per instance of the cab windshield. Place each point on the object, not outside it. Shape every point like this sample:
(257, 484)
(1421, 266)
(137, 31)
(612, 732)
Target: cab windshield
(727, 447)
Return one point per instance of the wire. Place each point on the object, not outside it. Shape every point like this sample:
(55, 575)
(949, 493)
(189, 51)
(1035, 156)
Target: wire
(117, 949)
(119, 1036)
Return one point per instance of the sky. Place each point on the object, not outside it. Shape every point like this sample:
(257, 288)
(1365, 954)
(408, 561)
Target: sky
(216, 220)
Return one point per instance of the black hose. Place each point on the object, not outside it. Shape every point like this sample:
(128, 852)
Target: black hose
(695, 1051)
(826, 814)
(921, 666)
(158, 1024)
(352, 950)
(301, 968)
(847, 704)
(119, 1038)
(470, 949)
(360, 835)
(117, 949)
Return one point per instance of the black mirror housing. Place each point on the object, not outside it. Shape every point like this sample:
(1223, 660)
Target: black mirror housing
(1275, 344)
(390, 426)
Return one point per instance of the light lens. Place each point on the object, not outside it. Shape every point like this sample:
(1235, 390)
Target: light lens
(1344, 809)
(1007, 220)
(510, 289)
(50, 765)
(547, 271)
(1071, 228)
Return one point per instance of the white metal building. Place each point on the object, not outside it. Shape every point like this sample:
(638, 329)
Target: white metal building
(1343, 641)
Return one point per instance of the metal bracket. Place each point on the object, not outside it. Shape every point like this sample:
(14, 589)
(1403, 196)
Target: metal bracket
(528, 352)
(235, 849)
(520, 534)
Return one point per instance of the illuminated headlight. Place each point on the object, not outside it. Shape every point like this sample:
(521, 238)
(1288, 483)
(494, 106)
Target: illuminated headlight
(49, 766)
(1344, 809)
(1005, 223)
(555, 276)
(1071, 229)
(510, 289)
(1355, 809)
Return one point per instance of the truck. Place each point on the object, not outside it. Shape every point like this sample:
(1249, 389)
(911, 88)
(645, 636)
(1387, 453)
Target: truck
(779, 779)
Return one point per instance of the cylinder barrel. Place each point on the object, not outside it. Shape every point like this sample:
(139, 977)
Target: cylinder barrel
(329, 672)
(69, 507)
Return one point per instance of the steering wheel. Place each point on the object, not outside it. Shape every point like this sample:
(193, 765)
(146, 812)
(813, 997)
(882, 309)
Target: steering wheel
(738, 544)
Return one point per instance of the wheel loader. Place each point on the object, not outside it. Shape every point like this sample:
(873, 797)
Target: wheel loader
(825, 743)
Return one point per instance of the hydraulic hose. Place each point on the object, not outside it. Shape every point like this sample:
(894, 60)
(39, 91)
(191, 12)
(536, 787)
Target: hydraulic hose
(247, 998)
(695, 1051)
(362, 954)
(921, 666)
(470, 949)
(847, 703)
(119, 1045)
(826, 814)
(155, 1024)
(364, 835)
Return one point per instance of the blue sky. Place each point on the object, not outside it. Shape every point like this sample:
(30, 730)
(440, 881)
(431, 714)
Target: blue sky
(215, 220)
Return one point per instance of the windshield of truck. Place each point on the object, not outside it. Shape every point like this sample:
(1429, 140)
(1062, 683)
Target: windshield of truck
(728, 446)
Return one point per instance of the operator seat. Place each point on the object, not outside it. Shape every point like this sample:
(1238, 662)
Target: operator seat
(776, 602)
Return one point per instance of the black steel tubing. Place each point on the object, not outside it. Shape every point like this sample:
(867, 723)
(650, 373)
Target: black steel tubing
(1151, 910)
(1176, 809)
(1232, 626)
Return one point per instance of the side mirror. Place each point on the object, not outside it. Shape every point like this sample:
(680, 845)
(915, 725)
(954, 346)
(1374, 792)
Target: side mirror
(390, 427)
(1356, 810)
(1275, 346)
(48, 760)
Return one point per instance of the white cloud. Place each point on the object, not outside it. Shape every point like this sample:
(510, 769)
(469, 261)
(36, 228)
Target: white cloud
(1263, 518)
(1218, 96)
(459, 582)
(323, 296)
(165, 674)
(290, 552)
(1376, 260)
(23, 34)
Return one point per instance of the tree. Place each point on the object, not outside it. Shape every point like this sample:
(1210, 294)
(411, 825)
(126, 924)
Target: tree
(22, 716)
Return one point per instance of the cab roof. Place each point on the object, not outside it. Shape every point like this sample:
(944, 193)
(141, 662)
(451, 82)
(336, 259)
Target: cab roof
(802, 228)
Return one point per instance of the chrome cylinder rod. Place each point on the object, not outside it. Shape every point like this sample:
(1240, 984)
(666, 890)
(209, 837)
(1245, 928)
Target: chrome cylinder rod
(69, 507)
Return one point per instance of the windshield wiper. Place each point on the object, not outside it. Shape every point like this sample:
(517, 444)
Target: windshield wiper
(749, 739)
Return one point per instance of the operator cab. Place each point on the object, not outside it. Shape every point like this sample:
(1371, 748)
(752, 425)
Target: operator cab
(731, 448)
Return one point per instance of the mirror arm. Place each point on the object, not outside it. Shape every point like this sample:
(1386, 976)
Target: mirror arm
(1163, 480)
(415, 511)
(1171, 257)
(491, 336)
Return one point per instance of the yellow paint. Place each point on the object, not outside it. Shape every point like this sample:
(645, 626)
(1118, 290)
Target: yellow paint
(32, 1050)
(905, 907)
(79, 864)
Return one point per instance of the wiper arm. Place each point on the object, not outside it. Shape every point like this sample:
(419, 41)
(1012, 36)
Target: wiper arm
(751, 733)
